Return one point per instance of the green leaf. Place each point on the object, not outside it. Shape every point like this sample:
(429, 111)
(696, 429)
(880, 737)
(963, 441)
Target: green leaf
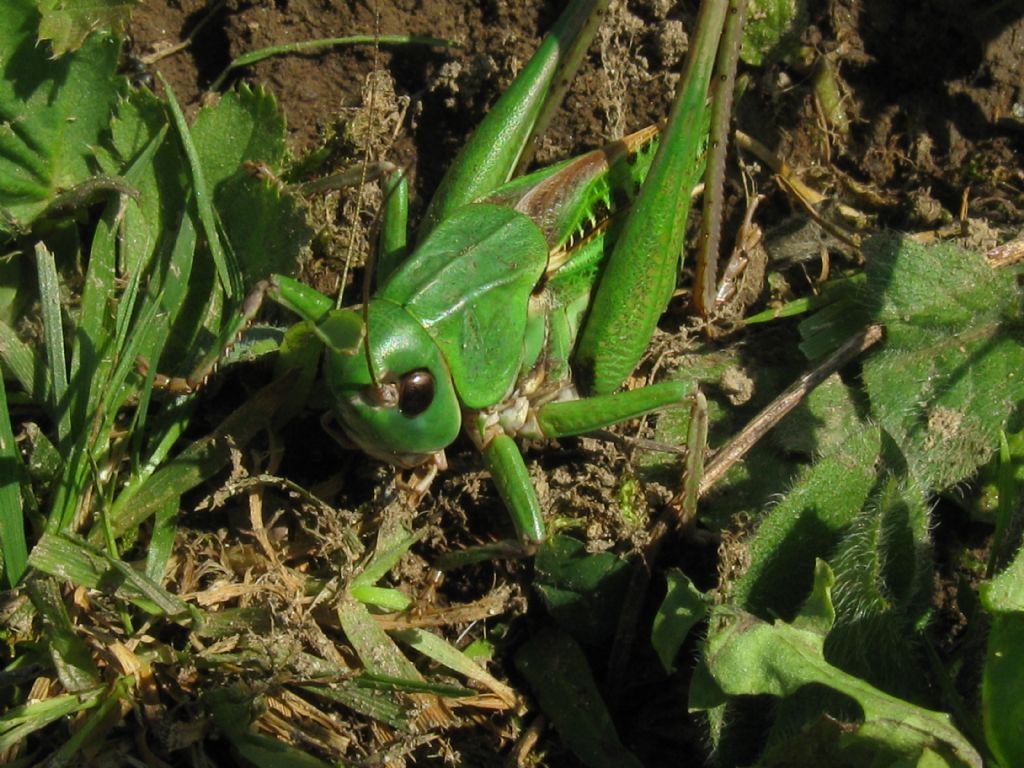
(243, 126)
(582, 591)
(264, 225)
(748, 656)
(66, 23)
(1005, 593)
(822, 422)
(1003, 673)
(684, 605)
(1001, 686)
(52, 114)
(558, 672)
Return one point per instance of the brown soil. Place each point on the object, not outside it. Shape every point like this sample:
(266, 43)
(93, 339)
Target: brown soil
(925, 134)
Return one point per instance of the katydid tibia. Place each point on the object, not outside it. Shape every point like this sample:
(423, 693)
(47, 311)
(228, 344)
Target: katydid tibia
(526, 303)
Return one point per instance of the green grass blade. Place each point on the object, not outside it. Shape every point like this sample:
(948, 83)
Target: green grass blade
(161, 541)
(372, 645)
(12, 524)
(447, 655)
(382, 597)
(386, 556)
(77, 562)
(71, 657)
(96, 719)
(171, 298)
(308, 46)
(1006, 483)
(20, 360)
(354, 696)
(172, 423)
(375, 682)
(53, 330)
(95, 327)
(228, 274)
(18, 723)
(196, 463)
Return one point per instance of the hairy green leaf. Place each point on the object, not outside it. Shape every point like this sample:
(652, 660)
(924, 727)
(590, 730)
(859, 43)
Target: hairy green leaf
(883, 591)
(748, 656)
(805, 525)
(948, 375)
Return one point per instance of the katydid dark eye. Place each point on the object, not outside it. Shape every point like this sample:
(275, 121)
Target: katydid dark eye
(416, 392)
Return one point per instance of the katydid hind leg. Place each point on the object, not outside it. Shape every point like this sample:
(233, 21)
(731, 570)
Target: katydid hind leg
(577, 417)
(640, 275)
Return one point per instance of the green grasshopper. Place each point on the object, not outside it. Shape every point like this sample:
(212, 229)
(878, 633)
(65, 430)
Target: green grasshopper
(526, 303)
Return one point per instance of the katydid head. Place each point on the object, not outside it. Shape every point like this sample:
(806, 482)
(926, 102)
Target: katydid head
(406, 409)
